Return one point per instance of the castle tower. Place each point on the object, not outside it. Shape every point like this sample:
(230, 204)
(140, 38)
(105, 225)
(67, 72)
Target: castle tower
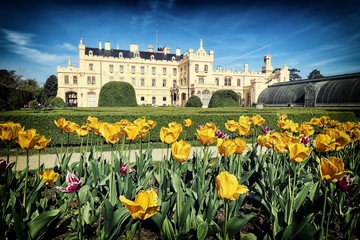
(267, 68)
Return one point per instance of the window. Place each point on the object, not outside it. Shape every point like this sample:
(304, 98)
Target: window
(93, 80)
(133, 69)
(136, 54)
(152, 57)
(142, 69)
(174, 83)
(164, 70)
(196, 67)
(75, 80)
(91, 66)
(201, 80)
(238, 82)
(164, 82)
(153, 70)
(133, 81)
(121, 55)
(227, 81)
(206, 68)
(217, 81)
(142, 99)
(121, 68)
(90, 80)
(111, 68)
(174, 71)
(66, 79)
(91, 98)
(164, 99)
(153, 82)
(153, 100)
(142, 82)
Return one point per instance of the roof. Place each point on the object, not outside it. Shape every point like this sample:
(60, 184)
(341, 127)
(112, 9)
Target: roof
(339, 90)
(128, 54)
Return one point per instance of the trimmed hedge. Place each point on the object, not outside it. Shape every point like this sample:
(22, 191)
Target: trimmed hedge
(194, 101)
(224, 98)
(117, 94)
(43, 120)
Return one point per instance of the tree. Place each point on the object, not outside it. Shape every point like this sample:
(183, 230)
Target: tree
(51, 86)
(117, 94)
(8, 78)
(224, 98)
(194, 101)
(293, 74)
(315, 74)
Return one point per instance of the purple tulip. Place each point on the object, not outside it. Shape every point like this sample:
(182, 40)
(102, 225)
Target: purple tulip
(220, 134)
(73, 183)
(4, 166)
(265, 129)
(305, 140)
(124, 169)
(346, 184)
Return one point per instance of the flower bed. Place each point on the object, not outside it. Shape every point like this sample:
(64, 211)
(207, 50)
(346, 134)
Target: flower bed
(295, 180)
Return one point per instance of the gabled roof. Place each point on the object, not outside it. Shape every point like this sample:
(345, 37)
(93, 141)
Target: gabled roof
(127, 54)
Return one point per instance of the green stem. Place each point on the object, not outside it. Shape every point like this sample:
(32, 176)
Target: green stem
(139, 230)
(26, 176)
(292, 196)
(226, 219)
(324, 206)
(79, 217)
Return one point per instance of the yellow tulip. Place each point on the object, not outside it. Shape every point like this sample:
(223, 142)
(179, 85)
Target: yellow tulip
(240, 145)
(42, 143)
(61, 123)
(244, 129)
(324, 143)
(332, 169)
(144, 206)
(355, 133)
(245, 120)
(131, 131)
(82, 131)
(28, 138)
(9, 131)
(151, 123)
(226, 147)
(306, 129)
(49, 177)
(180, 151)
(170, 134)
(298, 152)
(210, 125)
(347, 126)
(188, 122)
(206, 136)
(93, 124)
(231, 125)
(70, 127)
(111, 132)
(228, 188)
(258, 120)
(264, 141)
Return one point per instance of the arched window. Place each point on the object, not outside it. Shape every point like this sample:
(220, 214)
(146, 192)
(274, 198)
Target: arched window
(71, 99)
(152, 57)
(121, 55)
(205, 97)
(90, 53)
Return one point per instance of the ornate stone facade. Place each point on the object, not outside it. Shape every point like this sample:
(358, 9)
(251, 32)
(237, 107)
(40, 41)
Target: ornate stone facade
(159, 76)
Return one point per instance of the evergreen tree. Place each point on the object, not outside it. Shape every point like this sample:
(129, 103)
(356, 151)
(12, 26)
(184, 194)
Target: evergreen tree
(51, 86)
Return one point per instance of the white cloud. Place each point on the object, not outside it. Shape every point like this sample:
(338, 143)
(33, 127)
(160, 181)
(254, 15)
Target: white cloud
(68, 46)
(18, 38)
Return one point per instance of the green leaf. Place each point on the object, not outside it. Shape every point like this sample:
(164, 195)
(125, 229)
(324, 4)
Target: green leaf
(236, 223)
(39, 225)
(302, 227)
(300, 197)
(248, 236)
(184, 213)
(202, 230)
(168, 229)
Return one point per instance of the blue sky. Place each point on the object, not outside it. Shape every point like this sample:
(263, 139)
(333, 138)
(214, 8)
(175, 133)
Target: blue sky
(38, 36)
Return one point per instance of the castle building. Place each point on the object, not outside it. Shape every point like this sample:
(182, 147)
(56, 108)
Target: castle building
(159, 77)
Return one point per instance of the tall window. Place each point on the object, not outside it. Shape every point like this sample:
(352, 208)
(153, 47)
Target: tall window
(133, 81)
(142, 99)
(121, 68)
(75, 80)
(227, 81)
(153, 70)
(133, 69)
(196, 67)
(164, 82)
(142, 69)
(90, 80)
(164, 70)
(174, 71)
(205, 68)
(91, 66)
(174, 83)
(153, 82)
(238, 82)
(111, 68)
(91, 96)
(153, 100)
(217, 81)
(66, 79)
(142, 82)
(201, 80)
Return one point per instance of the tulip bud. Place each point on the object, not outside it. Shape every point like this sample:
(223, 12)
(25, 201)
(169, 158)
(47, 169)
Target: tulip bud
(346, 184)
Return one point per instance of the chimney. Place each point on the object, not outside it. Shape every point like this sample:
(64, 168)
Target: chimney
(246, 67)
(107, 45)
(150, 48)
(177, 52)
(134, 47)
(100, 47)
